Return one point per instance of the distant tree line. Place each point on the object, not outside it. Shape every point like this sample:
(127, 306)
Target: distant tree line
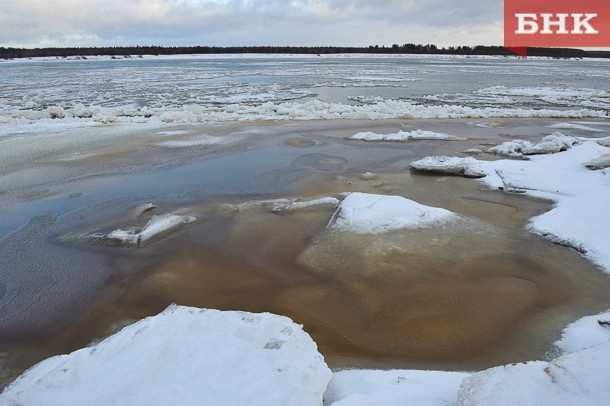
(429, 49)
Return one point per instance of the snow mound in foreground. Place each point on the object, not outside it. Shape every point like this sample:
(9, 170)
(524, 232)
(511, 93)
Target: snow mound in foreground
(467, 167)
(369, 213)
(405, 136)
(393, 388)
(575, 379)
(184, 356)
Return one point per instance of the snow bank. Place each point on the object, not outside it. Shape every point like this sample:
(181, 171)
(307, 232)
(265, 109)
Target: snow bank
(184, 356)
(579, 378)
(468, 167)
(369, 213)
(393, 388)
(405, 136)
(582, 197)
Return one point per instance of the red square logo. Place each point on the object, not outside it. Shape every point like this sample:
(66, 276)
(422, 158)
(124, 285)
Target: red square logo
(556, 23)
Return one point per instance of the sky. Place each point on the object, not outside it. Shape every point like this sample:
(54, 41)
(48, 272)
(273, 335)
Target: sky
(59, 23)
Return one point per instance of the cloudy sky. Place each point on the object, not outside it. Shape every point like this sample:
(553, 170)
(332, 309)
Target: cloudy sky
(42, 23)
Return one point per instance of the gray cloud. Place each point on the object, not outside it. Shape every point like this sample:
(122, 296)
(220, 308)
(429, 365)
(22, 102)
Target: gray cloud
(248, 22)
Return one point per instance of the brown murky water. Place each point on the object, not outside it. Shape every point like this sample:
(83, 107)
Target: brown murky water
(480, 293)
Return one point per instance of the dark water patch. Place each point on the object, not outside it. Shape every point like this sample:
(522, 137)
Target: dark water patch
(47, 285)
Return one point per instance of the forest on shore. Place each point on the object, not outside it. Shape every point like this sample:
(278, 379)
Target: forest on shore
(428, 49)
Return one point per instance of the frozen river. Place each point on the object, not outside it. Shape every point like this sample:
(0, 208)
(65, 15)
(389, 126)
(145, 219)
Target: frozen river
(224, 88)
(83, 143)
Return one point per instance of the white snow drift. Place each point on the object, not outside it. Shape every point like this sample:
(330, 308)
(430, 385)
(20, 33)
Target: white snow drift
(184, 356)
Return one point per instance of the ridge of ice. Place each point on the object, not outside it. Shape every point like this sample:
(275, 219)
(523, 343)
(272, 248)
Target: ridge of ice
(17, 120)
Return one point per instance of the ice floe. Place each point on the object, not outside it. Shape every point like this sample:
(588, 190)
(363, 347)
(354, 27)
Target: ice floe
(157, 227)
(467, 167)
(405, 136)
(370, 213)
(604, 142)
(369, 176)
(549, 144)
(201, 140)
(283, 205)
(601, 162)
(184, 356)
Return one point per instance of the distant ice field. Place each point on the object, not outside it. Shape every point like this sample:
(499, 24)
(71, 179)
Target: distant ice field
(38, 93)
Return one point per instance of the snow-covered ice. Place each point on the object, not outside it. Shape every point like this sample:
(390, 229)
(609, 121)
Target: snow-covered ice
(286, 205)
(405, 136)
(581, 196)
(156, 227)
(184, 356)
(201, 140)
(549, 144)
(579, 378)
(600, 162)
(370, 213)
(468, 167)
(585, 333)
(393, 388)
(573, 126)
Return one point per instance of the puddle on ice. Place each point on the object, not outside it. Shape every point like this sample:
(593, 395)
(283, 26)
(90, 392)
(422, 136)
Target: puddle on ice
(474, 294)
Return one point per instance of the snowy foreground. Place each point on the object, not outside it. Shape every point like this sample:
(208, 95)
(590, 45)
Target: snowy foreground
(192, 356)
